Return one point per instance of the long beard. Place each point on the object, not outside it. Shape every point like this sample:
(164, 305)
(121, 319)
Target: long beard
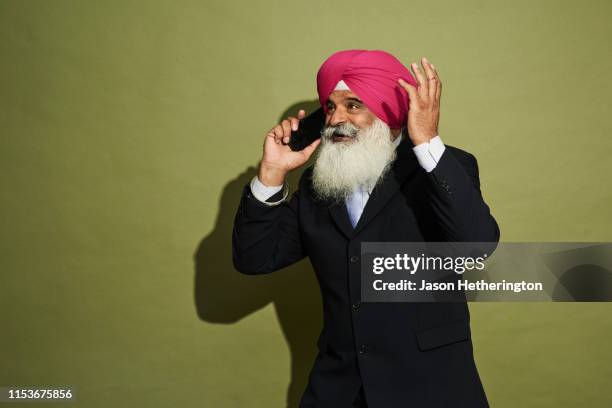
(340, 168)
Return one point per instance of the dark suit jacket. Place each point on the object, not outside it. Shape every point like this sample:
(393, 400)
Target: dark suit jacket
(404, 354)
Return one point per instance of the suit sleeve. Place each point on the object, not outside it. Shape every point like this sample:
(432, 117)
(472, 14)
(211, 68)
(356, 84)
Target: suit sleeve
(455, 199)
(266, 238)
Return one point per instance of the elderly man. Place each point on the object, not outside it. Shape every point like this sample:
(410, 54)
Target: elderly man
(381, 174)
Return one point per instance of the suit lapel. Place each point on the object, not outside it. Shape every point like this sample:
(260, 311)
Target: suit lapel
(339, 214)
(401, 168)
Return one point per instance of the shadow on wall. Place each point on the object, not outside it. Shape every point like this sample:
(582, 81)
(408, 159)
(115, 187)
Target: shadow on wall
(224, 295)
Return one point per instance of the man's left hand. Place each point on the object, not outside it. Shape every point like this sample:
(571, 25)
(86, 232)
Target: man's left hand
(424, 109)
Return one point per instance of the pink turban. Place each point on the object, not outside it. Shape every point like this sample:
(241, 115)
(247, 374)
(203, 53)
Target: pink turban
(372, 75)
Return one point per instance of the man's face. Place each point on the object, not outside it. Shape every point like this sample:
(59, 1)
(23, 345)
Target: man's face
(345, 107)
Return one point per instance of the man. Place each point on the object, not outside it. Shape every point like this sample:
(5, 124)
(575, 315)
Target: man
(382, 174)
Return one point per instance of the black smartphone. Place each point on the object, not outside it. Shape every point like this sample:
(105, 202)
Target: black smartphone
(308, 131)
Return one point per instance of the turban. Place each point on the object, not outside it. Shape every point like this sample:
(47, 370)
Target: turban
(372, 75)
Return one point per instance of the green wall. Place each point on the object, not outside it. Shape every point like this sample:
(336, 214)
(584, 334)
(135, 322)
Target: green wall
(129, 128)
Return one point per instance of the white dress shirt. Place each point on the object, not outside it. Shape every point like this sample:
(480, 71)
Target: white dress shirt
(427, 154)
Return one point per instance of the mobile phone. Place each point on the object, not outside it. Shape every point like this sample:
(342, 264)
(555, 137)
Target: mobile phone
(308, 131)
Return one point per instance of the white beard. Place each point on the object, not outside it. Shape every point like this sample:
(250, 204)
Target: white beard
(342, 167)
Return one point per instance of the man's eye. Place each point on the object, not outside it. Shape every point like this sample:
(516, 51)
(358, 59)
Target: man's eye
(353, 106)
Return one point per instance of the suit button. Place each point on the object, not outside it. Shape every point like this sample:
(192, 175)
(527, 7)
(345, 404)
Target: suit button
(362, 349)
(354, 258)
(355, 306)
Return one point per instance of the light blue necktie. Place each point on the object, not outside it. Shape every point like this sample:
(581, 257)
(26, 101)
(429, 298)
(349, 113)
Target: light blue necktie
(355, 204)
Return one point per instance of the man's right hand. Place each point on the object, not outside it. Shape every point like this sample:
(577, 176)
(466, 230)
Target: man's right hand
(278, 158)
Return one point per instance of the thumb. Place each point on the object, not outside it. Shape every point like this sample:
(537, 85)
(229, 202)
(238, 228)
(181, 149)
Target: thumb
(308, 150)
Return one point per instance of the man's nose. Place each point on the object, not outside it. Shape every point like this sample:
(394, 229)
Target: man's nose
(338, 117)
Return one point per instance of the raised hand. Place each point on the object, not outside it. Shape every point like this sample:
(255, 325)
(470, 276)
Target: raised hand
(278, 158)
(424, 110)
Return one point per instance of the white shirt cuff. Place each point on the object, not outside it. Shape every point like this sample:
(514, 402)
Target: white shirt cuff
(428, 154)
(262, 192)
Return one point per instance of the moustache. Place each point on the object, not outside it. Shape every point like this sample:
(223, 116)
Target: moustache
(345, 129)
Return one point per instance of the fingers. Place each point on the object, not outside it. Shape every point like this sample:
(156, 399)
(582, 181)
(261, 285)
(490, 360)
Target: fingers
(430, 86)
(294, 123)
(439, 85)
(423, 89)
(431, 76)
(276, 133)
(286, 125)
(281, 133)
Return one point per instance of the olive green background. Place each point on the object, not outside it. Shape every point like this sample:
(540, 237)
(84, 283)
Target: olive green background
(129, 128)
